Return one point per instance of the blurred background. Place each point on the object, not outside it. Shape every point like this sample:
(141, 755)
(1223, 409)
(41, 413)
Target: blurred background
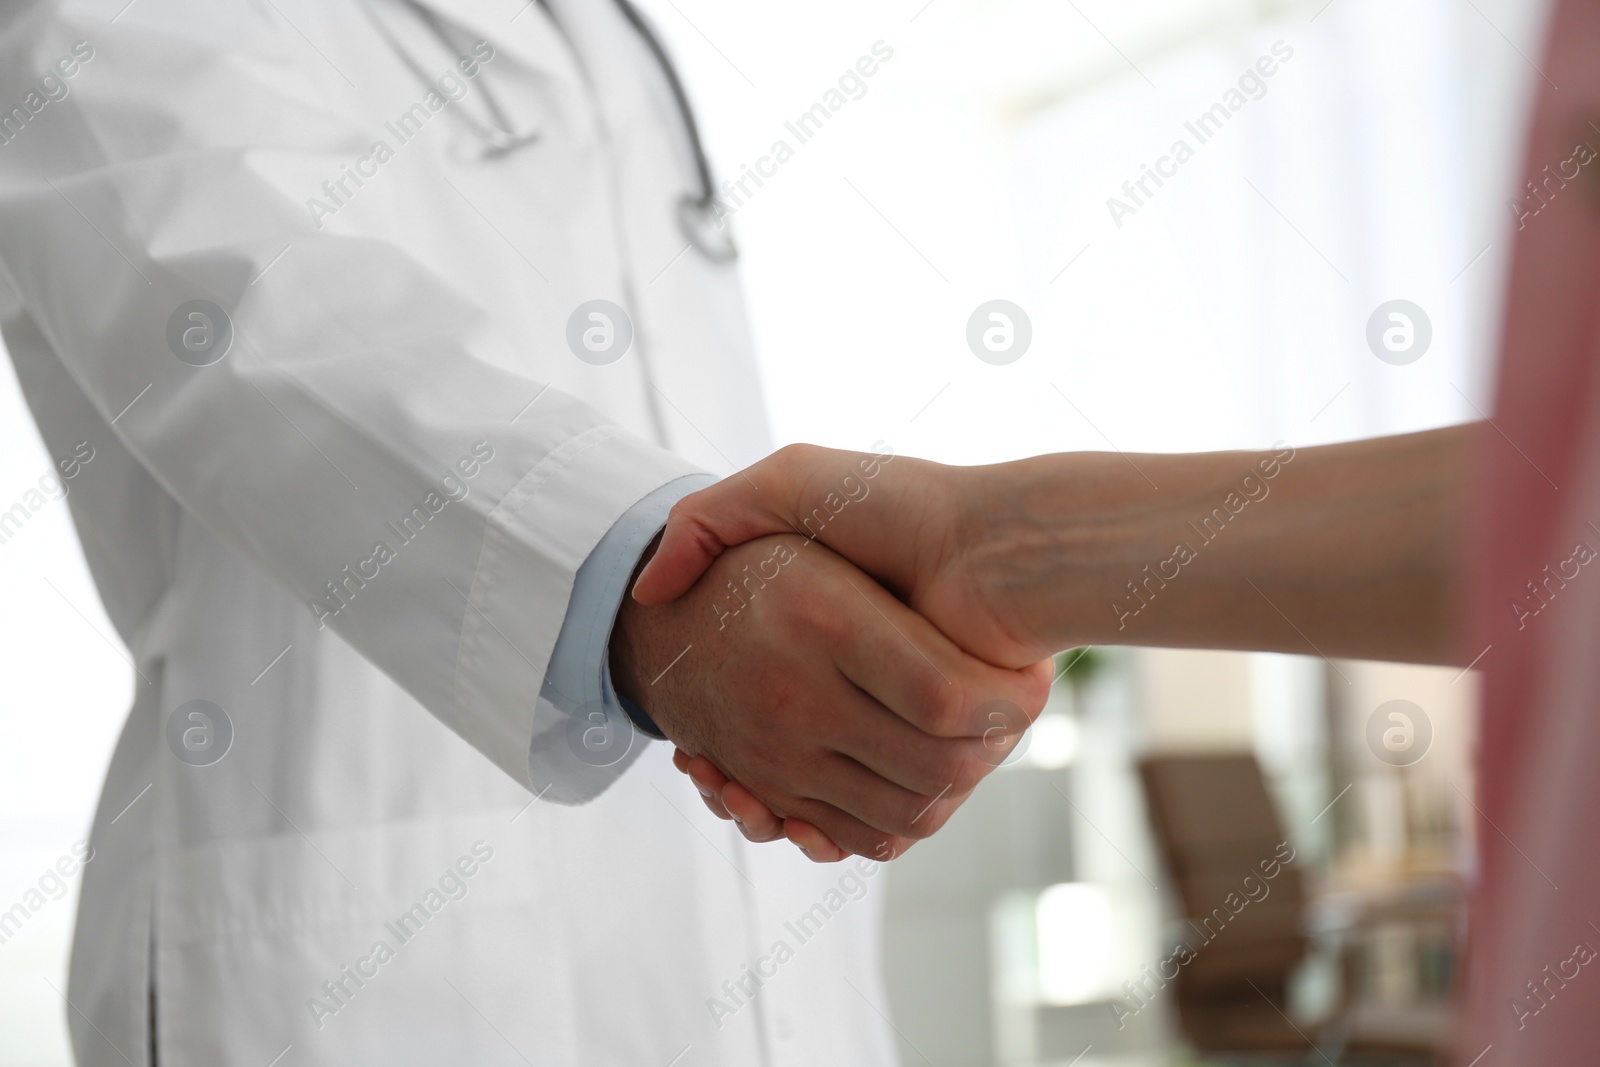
(1226, 306)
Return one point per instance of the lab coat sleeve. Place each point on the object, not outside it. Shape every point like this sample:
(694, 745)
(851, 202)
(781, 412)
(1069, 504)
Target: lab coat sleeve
(335, 423)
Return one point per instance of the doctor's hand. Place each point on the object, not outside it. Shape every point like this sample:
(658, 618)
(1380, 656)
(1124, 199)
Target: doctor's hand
(728, 799)
(832, 703)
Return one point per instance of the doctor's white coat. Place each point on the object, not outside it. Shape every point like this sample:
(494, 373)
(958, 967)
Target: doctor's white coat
(370, 508)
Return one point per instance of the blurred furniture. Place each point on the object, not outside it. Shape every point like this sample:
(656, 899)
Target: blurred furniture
(1248, 920)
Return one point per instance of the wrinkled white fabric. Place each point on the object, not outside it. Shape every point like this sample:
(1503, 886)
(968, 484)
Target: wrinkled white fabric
(399, 376)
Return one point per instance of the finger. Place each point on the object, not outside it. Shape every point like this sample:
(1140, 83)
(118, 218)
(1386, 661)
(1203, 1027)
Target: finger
(849, 834)
(703, 525)
(886, 744)
(709, 781)
(1041, 673)
(684, 553)
(707, 776)
(755, 820)
(817, 846)
(700, 527)
(713, 804)
(757, 814)
(910, 667)
(1006, 722)
(843, 785)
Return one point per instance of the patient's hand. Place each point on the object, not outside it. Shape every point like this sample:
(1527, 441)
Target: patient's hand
(927, 531)
(1359, 544)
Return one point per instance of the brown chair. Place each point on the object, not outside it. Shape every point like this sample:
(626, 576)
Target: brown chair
(1245, 924)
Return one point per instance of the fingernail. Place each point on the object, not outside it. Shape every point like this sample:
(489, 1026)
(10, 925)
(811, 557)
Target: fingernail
(704, 791)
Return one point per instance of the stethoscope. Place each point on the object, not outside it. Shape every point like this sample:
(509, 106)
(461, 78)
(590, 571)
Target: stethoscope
(697, 215)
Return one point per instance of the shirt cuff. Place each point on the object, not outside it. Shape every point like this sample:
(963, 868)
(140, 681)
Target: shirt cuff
(578, 679)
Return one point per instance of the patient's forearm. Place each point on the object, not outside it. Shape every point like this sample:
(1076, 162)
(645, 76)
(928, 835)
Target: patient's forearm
(1346, 550)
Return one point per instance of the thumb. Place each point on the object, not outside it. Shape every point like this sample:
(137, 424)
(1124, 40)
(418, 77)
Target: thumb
(700, 528)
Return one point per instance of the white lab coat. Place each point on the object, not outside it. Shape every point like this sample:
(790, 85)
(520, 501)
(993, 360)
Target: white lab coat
(233, 912)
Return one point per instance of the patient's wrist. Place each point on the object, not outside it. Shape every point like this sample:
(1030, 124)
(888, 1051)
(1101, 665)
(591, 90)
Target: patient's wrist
(1080, 539)
(1042, 539)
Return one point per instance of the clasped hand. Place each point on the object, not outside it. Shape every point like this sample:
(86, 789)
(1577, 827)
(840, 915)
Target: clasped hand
(810, 636)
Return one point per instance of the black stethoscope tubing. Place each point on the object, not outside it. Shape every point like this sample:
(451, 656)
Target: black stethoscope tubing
(697, 215)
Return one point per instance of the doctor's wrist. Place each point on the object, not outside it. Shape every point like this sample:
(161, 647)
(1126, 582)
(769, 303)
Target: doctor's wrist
(625, 646)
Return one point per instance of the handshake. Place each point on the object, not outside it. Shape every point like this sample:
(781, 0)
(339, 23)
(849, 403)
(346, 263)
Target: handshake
(843, 644)
(848, 681)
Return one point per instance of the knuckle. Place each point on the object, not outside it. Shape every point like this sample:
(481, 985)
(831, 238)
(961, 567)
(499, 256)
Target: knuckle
(684, 520)
(796, 456)
(818, 611)
(944, 705)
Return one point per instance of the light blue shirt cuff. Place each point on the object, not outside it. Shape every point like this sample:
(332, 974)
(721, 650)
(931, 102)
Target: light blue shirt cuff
(578, 680)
